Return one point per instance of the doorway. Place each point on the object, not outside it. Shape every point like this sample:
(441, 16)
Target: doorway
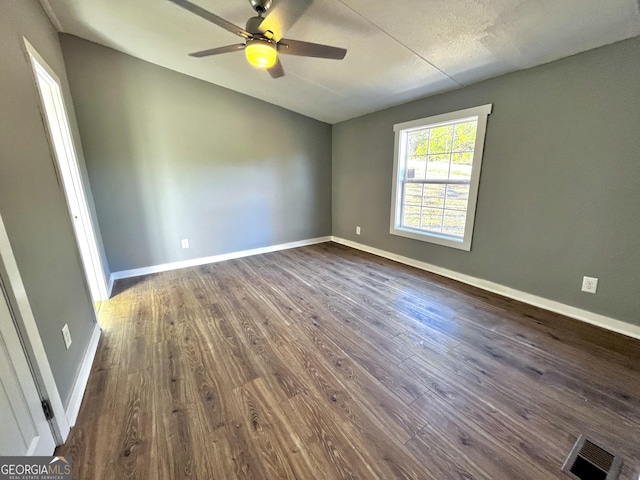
(59, 131)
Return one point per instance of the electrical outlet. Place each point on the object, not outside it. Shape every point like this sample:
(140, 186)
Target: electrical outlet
(589, 284)
(66, 336)
(357, 230)
(185, 243)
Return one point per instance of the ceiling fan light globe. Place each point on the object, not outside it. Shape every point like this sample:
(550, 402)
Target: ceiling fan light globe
(261, 53)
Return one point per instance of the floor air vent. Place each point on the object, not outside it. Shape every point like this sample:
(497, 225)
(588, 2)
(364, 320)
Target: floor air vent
(588, 461)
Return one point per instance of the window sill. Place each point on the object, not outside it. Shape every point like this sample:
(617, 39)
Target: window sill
(444, 240)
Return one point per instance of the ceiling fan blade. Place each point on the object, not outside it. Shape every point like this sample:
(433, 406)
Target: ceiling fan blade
(283, 15)
(218, 51)
(277, 71)
(211, 17)
(307, 49)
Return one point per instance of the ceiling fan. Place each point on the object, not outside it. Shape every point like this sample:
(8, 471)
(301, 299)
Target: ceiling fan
(263, 35)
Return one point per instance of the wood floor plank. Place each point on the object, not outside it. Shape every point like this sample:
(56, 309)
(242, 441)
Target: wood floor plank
(375, 352)
(137, 456)
(489, 455)
(339, 311)
(367, 401)
(560, 409)
(324, 362)
(359, 365)
(274, 370)
(101, 402)
(383, 458)
(548, 338)
(170, 376)
(240, 365)
(441, 459)
(522, 436)
(230, 454)
(181, 446)
(273, 434)
(110, 349)
(372, 305)
(325, 437)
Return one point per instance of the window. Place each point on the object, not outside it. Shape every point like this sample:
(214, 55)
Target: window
(436, 175)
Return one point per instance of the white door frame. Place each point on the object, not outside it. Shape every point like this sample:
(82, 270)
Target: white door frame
(61, 140)
(28, 331)
(31, 432)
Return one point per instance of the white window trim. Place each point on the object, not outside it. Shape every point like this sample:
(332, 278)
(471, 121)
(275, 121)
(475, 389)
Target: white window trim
(481, 112)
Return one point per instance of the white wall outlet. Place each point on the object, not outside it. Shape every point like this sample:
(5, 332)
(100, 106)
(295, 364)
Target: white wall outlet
(66, 336)
(589, 284)
(185, 243)
(357, 230)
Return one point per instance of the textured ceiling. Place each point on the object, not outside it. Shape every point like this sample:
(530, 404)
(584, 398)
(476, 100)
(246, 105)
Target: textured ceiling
(397, 50)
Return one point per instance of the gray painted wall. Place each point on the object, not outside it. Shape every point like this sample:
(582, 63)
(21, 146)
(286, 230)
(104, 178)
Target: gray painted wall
(560, 184)
(32, 204)
(172, 157)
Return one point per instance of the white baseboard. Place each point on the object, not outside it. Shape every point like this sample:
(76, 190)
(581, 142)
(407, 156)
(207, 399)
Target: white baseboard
(583, 315)
(136, 272)
(83, 377)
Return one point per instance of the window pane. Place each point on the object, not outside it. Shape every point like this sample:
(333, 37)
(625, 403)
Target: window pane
(457, 197)
(412, 194)
(441, 139)
(465, 136)
(462, 159)
(412, 209)
(412, 189)
(418, 142)
(461, 165)
(416, 167)
(438, 167)
(434, 196)
(412, 200)
(432, 219)
(453, 223)
(411, 221)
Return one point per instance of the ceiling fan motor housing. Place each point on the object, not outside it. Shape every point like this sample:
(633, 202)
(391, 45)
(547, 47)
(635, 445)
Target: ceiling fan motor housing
(260, 6)
(253, 25)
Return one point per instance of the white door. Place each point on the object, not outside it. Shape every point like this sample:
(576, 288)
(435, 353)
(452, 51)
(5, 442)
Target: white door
(59, 130)
(25, 430)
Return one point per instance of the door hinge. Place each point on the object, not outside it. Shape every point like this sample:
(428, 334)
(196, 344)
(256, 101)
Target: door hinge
(46, 408)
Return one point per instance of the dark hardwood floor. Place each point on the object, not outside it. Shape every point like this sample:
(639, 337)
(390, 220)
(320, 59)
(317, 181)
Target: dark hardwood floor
(324, 362)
